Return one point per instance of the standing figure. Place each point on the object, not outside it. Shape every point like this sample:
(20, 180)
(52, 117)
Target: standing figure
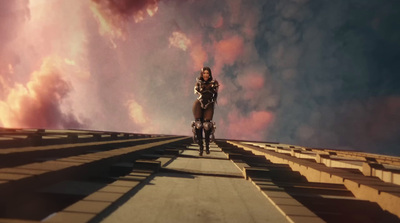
(203, 109)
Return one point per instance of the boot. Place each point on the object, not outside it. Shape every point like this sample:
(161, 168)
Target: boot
(207, 140)
(194, 132)
(212, 138)
(199, 136)
(201, 149)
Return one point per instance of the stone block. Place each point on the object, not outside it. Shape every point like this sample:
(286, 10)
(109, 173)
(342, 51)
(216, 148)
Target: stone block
(319, 158)
(94, 207)
(103, 196)
(68, 217)
(147, 164)
(293, 151)
(257, 172)
(367, 168)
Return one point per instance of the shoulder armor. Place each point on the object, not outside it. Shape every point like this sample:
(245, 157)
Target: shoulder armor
(215, 83)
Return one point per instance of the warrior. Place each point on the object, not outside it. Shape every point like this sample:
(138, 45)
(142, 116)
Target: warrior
(203, 109)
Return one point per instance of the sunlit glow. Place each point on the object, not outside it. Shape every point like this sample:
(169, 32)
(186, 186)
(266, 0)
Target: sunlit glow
(179, 40)
(10, 68)
(108, 24)
(152, 9)
(136, 112)
(139, 16)
(69, 62)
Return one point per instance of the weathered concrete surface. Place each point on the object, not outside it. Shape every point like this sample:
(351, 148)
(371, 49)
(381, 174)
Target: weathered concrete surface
(198, 189)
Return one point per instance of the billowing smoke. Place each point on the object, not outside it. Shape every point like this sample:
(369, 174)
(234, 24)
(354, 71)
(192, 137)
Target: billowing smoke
(306, 72)
(34, 88)
(38, 104)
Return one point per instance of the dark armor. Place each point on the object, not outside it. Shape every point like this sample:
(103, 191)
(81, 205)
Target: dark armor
(203, 111)
(207, 91)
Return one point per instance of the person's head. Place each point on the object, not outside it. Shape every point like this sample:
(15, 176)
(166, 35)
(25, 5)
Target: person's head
(206, 74)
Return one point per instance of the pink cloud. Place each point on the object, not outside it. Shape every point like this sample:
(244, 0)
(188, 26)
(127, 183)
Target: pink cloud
(218, 22)
(223, 101)
(251, 127)
(199, 56)
(227, 51)
(252, 81)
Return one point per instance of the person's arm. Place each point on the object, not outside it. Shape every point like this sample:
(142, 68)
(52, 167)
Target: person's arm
(215, 89)
(197, 88)
(215, 86)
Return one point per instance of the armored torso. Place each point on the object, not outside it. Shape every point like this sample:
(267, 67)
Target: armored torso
(207, 91)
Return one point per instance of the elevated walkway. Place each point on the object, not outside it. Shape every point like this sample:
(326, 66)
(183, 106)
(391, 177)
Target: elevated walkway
(197, 189)
(90, 176)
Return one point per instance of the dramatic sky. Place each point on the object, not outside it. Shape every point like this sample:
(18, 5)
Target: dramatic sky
(317, 73)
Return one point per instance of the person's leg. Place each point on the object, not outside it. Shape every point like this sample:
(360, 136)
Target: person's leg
(208, 125)
(197, 125)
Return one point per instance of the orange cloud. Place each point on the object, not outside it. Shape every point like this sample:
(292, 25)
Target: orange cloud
(38, 104)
